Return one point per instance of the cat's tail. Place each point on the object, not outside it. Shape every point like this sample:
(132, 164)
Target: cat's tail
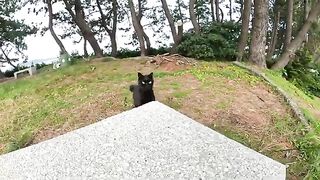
(131, 88)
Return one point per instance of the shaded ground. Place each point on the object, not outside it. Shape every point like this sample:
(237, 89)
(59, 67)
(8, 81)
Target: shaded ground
(218, 95)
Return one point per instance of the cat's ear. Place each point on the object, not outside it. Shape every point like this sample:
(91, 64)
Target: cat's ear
(140, 75)
(151, 74)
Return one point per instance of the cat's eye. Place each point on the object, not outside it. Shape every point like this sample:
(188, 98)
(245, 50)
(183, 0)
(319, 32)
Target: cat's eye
(143, 82)
(150, 82)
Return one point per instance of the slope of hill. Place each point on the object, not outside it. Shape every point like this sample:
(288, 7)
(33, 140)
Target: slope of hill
(219, 95)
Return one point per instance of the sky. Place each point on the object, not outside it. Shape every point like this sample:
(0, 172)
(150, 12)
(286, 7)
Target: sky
(44, 48)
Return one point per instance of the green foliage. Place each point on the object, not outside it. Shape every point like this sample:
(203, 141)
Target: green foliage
(303, 73)
(217, 40)
(20, 141)
(12, 32)
(308, 143)
(126, 53)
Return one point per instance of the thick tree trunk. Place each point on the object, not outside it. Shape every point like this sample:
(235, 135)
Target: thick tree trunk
(297, 41)
(179, 38)
(274, 35)
(289, 22)
(137, 28)
(78, 18)
(258, 42)
(217, 10)
(244, 28)
(55, 37)
(193, 17)
(114, 45)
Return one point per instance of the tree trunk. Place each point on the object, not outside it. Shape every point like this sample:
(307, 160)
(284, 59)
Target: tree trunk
(306, 13)
(111, 32)
(175, 35)
(55, 37)
(85, 51)
(145, 36)
(179, 38)
(241, 10)
(137, 28)
(2, 75)
(222, 15)
(274, 34)
(217, 10)
(297, 41)
(259, 32)
(212, 10)
(244, 28)
(230, 11)
(288, 24)
(193, 17)
(147, 39)
(114, 28)
(78, 18)
(114, 46)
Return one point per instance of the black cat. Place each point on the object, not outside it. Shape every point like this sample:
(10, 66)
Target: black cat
(143, 92)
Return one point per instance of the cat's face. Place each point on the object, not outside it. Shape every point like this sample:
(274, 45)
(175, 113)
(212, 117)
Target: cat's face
(145, 81)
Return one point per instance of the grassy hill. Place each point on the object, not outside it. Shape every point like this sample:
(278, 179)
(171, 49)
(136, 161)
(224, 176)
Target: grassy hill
(219, 95)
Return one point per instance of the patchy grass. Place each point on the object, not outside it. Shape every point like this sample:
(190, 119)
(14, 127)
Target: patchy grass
(308, 143)
(308, 102)
(219, 95)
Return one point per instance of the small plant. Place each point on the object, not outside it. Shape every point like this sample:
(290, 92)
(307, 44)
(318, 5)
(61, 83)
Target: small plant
(21, 141)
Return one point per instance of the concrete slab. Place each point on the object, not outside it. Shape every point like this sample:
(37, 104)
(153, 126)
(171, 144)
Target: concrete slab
(149, 142)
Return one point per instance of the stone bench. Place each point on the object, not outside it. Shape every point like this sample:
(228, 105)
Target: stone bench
(149, 142)
(31, 71)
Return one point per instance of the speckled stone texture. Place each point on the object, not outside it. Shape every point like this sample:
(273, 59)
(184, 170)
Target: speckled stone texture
(149, 142)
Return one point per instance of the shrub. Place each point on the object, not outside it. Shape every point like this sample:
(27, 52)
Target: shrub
(303, 73)
(126, 53)
(217, 40)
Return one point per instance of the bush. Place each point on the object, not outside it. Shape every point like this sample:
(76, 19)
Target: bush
(217, 40)
(126, 53)
(303, 73)
(42, 65)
